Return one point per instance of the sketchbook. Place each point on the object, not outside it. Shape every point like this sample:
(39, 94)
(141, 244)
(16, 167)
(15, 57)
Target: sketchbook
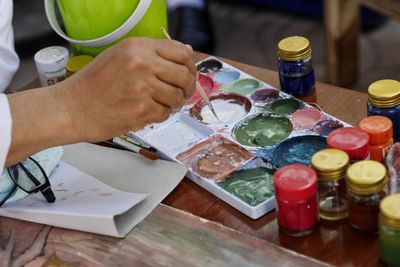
(100, 190)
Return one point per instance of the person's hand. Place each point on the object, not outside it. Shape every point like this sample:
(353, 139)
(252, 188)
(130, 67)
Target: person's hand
(136, 82)
(128, 86)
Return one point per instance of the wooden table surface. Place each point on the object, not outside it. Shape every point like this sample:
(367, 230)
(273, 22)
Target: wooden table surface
(249, 243)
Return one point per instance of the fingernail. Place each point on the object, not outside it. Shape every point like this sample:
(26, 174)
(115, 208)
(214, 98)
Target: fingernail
(190, 48)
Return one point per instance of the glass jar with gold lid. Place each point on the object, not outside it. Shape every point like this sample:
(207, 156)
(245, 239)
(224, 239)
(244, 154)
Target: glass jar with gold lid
(331, 166)
(296, 71)
(389, 230)
(384, 100)
(366, 181)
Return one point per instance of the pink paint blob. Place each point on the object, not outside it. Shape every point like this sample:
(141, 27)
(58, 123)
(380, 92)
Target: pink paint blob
(208, 86)
(306, 118)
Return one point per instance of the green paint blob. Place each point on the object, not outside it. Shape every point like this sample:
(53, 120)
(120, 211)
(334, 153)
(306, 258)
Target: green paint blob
(243, 87)
(252, 186)
(285, 106)
(262, 130)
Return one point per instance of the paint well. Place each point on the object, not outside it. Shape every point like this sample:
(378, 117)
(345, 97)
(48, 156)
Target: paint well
(285, 106)
(214, 158)
(298, 149)
(208, 86)
(227, 76)
(243, 87)
(324, 127)
(209, 65)
(253, 186)
(179, 134)
(265, 96)
(229, 108)
(262, 130)
(306, 118)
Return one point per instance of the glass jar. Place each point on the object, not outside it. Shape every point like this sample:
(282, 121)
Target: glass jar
(331, 165)
(380, 132)
(351, 140)
(366, 181)
(296, 71)
(296, 199)
(50, 64)
(77, 63)
(384, 100)
(389, 230)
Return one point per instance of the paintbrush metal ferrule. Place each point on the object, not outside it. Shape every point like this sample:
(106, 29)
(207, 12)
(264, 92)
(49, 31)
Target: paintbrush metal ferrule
(133, 141)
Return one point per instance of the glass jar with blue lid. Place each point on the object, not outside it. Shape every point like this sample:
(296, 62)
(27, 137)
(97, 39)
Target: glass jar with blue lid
(296, 71)
(384, 100)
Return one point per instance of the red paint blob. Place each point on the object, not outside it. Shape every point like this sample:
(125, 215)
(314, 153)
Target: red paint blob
(306, 118)
(208, 86)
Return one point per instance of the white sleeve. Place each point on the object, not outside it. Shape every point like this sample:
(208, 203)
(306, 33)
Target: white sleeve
(5, 129)
(9, 61)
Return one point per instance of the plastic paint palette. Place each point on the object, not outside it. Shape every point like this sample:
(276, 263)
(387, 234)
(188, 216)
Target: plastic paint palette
(235, 158)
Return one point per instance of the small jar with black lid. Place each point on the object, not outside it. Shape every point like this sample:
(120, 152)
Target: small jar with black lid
(296, 71)
(366, 182)
(384, 100)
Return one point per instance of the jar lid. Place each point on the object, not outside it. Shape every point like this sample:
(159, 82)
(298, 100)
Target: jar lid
(379, 129)
(366, 177)
(330, 163)
(51, 59)
(295, 182)
(294, 48)
(390, 210)
(351, 140)
(77, 63)
(384, 93)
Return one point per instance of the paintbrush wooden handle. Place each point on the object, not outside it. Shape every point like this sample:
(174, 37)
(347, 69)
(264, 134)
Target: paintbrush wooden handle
(206, 99)
(134, 148)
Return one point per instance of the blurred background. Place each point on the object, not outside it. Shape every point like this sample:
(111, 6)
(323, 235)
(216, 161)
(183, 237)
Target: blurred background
(248, 31)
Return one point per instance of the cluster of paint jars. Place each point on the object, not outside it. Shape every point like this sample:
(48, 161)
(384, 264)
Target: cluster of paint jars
(346, 180)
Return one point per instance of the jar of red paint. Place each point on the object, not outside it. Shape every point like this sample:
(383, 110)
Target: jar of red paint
(353, 141)
(296, 199)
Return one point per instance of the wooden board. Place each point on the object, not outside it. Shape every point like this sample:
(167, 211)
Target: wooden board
(168, 237)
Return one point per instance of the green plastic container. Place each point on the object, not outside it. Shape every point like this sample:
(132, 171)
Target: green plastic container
(93, 25)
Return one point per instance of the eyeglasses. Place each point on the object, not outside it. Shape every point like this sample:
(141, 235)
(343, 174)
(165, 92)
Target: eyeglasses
(25, 180)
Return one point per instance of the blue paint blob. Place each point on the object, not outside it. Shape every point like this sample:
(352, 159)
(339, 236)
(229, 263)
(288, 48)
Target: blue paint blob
(227, 76)
(298, 149)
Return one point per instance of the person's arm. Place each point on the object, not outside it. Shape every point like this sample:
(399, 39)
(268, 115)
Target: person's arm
(9, 60)
(136, 82)
(5, 129)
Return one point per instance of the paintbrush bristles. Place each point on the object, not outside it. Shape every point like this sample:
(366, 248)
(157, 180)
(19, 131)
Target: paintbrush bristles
(198, 85)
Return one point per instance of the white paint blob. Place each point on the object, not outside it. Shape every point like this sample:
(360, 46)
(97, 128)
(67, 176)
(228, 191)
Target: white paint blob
(228, 112)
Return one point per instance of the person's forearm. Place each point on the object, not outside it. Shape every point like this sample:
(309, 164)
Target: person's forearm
(41, 120)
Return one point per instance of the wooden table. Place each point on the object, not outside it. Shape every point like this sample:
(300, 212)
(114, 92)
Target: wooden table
(227, 237)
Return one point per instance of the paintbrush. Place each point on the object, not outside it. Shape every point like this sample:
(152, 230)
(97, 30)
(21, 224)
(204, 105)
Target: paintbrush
(199, 88)
(133, 141)
(134, 148)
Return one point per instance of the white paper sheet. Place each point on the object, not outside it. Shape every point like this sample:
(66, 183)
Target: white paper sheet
(91, 204)
(82, 203)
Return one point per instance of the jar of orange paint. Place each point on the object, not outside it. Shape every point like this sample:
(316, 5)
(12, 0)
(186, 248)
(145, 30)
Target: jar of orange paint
(380, 131)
